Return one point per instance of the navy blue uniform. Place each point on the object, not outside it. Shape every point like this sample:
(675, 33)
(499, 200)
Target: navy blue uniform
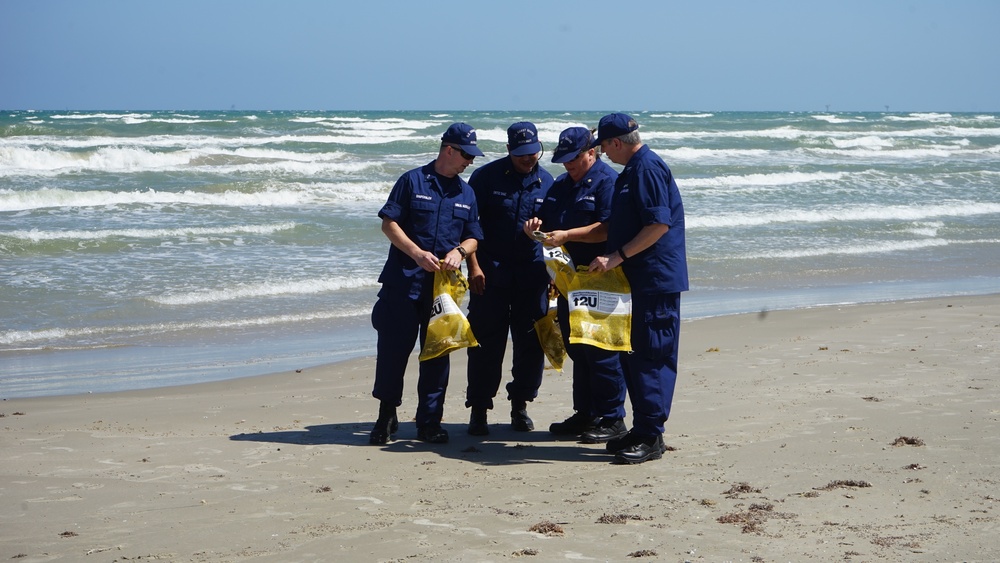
(598, 385)
(516, 293)
(437, 213)
(646, 194)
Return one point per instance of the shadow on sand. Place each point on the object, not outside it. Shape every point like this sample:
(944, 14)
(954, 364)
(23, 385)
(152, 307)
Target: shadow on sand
(502, 447)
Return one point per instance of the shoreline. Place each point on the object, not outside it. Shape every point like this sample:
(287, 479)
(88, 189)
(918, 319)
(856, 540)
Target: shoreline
(151, 366)
(854, 432)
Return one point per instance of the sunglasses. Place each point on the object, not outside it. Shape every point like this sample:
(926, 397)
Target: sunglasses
(465, 155)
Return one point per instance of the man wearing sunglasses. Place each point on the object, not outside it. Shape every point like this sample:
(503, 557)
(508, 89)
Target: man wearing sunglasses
(508, 281)
(573, 216)
(432, 220)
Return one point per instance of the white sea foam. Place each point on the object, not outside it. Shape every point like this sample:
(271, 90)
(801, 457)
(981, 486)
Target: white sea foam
(114, 116)
(920, 117)
(174, 120)
(39, 236)
(874, 247)
(842, 214)
(926, 229)
(756, 180)
(941, 151)
(58, 197)
(682, 115)
(366, 126)
(839, 119)
(264, 289)
(694, 154)
(27, 161)
(276, 195)
(867, 141)
(22, 337)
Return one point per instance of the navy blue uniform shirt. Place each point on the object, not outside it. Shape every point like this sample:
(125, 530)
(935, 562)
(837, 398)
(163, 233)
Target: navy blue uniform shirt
(506, 200)
(572, 204)
(645, 194)
(437, 213)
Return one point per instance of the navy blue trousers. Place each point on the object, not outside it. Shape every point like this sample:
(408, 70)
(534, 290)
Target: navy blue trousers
(399, 320)
(498, 311)
(651, 368)
(598, 381)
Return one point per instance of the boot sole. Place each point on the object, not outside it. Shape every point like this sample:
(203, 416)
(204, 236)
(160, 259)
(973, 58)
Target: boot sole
(653, 455)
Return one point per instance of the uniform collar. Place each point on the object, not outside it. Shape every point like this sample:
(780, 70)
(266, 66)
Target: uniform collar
(526, 179)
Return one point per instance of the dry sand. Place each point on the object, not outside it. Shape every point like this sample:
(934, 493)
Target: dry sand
(856, 433)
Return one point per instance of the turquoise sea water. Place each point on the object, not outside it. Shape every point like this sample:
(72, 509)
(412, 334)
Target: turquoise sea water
(141, 249)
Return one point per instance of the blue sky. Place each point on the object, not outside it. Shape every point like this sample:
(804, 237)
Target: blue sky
(708, 55)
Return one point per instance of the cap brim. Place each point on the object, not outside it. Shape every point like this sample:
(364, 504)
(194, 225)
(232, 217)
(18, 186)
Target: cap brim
(563, 157)
(595, 144)
(533, 148)
(472, 149)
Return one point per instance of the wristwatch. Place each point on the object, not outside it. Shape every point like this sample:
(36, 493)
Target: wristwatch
(462, 252)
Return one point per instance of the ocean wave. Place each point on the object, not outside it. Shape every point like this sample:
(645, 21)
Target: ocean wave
(283, 195)
(174, 120)
(33, 162)
(682, 115)
(874, 247)
(793, 133)
(756, 180)
(39, 236)
(698, 154)
(265, 289)
(920, 117)
(869, 151)
(365, 127)
(839, 119)
(23, 337)
(881, 247)
(114, 116)
(867, 141)
(842, 214)
(57, 197)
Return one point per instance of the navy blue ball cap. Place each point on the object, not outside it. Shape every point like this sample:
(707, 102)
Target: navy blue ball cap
(614, 125)
(571, 142)
(522, 139)
(463, 135)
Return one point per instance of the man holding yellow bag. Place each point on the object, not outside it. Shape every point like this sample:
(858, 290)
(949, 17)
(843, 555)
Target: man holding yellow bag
(432, 221)
(572, 216)
(645, 238)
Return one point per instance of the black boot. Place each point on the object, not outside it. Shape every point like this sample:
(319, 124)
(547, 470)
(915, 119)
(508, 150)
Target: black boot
(477, 422)
(574, 425)
(519, 419)
(386, 425)
(607, 429)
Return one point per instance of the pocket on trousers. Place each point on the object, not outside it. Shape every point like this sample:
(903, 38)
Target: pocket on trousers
(660, 330)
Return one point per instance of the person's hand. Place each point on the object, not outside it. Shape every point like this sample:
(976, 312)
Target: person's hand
(452, 260)
(428, 261)
(605, 263)
(556, 238)
(477, 281)
(532, 225)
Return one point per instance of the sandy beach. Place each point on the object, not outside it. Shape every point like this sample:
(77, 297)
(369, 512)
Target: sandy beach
(855, 433)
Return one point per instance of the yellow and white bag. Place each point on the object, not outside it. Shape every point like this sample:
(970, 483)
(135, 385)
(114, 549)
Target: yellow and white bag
(550, 337)
(560, 267)
(600, 310)
(448, 329)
